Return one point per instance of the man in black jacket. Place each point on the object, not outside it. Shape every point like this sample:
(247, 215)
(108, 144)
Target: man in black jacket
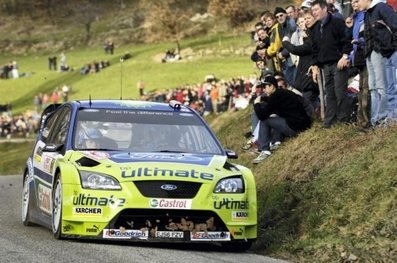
(331, 42)
(281, 114)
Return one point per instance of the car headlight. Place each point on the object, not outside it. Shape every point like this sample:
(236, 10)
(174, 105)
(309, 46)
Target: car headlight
(230, 185)
(93, 180)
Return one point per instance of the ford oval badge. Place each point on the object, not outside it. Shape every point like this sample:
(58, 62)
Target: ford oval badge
(168, 187)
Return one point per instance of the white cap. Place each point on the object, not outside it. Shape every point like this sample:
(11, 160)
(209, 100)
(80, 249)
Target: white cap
(306, 3)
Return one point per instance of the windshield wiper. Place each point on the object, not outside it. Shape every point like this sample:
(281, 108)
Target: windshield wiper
(98, 149)
(169, 151)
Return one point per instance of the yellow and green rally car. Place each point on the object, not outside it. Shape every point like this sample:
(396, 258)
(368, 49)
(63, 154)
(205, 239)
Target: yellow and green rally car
(136, 170)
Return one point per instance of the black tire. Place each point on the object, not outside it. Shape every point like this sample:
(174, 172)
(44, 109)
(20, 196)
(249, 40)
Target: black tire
(56, 217)
(26, 218)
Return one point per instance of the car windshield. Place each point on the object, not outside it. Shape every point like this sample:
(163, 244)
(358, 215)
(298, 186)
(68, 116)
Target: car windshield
(143, 131)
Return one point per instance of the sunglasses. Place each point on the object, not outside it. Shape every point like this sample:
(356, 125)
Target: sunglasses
(281, 15)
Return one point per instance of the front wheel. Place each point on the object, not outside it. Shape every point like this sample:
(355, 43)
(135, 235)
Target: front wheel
(25, 201)
(57, 208)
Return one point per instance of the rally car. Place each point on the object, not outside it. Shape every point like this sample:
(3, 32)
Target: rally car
(136, 170)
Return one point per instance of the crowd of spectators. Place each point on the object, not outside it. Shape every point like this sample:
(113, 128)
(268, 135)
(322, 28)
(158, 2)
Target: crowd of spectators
(18, 126)
(94, 67)
(213, 96)
(315, 50)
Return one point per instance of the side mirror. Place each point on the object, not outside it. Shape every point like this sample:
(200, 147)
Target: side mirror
(52, 147)
(231, 154)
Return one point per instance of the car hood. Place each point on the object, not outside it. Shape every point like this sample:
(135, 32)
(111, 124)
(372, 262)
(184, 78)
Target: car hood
(147, 166)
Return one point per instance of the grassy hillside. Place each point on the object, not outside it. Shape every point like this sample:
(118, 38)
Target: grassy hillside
(204, 55)
(325, 196)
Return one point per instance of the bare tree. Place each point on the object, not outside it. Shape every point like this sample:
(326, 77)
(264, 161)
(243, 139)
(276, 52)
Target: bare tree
(167, 19)
(86, 13)
(237, 11)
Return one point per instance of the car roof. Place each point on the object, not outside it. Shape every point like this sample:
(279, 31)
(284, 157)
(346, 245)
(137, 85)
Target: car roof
(131, 105)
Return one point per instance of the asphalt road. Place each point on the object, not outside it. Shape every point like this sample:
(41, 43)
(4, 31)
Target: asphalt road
(19, 243)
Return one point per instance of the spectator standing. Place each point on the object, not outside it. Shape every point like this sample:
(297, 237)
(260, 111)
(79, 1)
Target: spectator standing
(37, 102)
(274, 43)
(357, 59)
(111, 47)
(380, 37)
(14, 70)
(286, 28)
(141, 87)
(292, 12)
(52, 63)
(214, 94)
(63, 61)
(65, 92)
(303, 82)
(337, 6)
(331, 45)
(106, 47)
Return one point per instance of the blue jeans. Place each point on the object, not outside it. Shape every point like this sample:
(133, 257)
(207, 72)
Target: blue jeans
(391, 82)
(377, 86)
(275, 127)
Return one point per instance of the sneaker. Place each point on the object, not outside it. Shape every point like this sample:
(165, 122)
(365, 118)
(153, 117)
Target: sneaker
(274, 146)
(262, 156)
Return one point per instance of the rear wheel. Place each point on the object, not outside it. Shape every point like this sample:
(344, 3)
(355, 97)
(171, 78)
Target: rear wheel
(57, 208)
(25, 201)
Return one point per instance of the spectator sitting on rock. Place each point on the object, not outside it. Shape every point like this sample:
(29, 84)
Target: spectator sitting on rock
(170, 56)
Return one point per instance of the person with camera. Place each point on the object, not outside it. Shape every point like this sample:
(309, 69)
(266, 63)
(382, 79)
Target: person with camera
(281, 114)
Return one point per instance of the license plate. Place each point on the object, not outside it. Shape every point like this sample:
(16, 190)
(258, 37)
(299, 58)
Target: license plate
(169, 234)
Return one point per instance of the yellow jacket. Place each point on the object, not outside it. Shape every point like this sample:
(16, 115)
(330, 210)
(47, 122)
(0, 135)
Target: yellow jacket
(275, 41)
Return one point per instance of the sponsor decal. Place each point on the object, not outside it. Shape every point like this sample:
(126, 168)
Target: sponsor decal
(158, 157)
(231, 204)
(210, 236)
(148, 172)
(87, 211)
(37, 158)
(93, 229)
(39, 151)
(169, 234)
(88, 200)
(135, 104)
(239, 215)
(125, 234)
(171, 203)
(44, 198)
(38, 154)
(48, 164)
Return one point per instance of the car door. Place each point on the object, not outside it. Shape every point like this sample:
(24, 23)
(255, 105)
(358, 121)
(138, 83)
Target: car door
(54, 133)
